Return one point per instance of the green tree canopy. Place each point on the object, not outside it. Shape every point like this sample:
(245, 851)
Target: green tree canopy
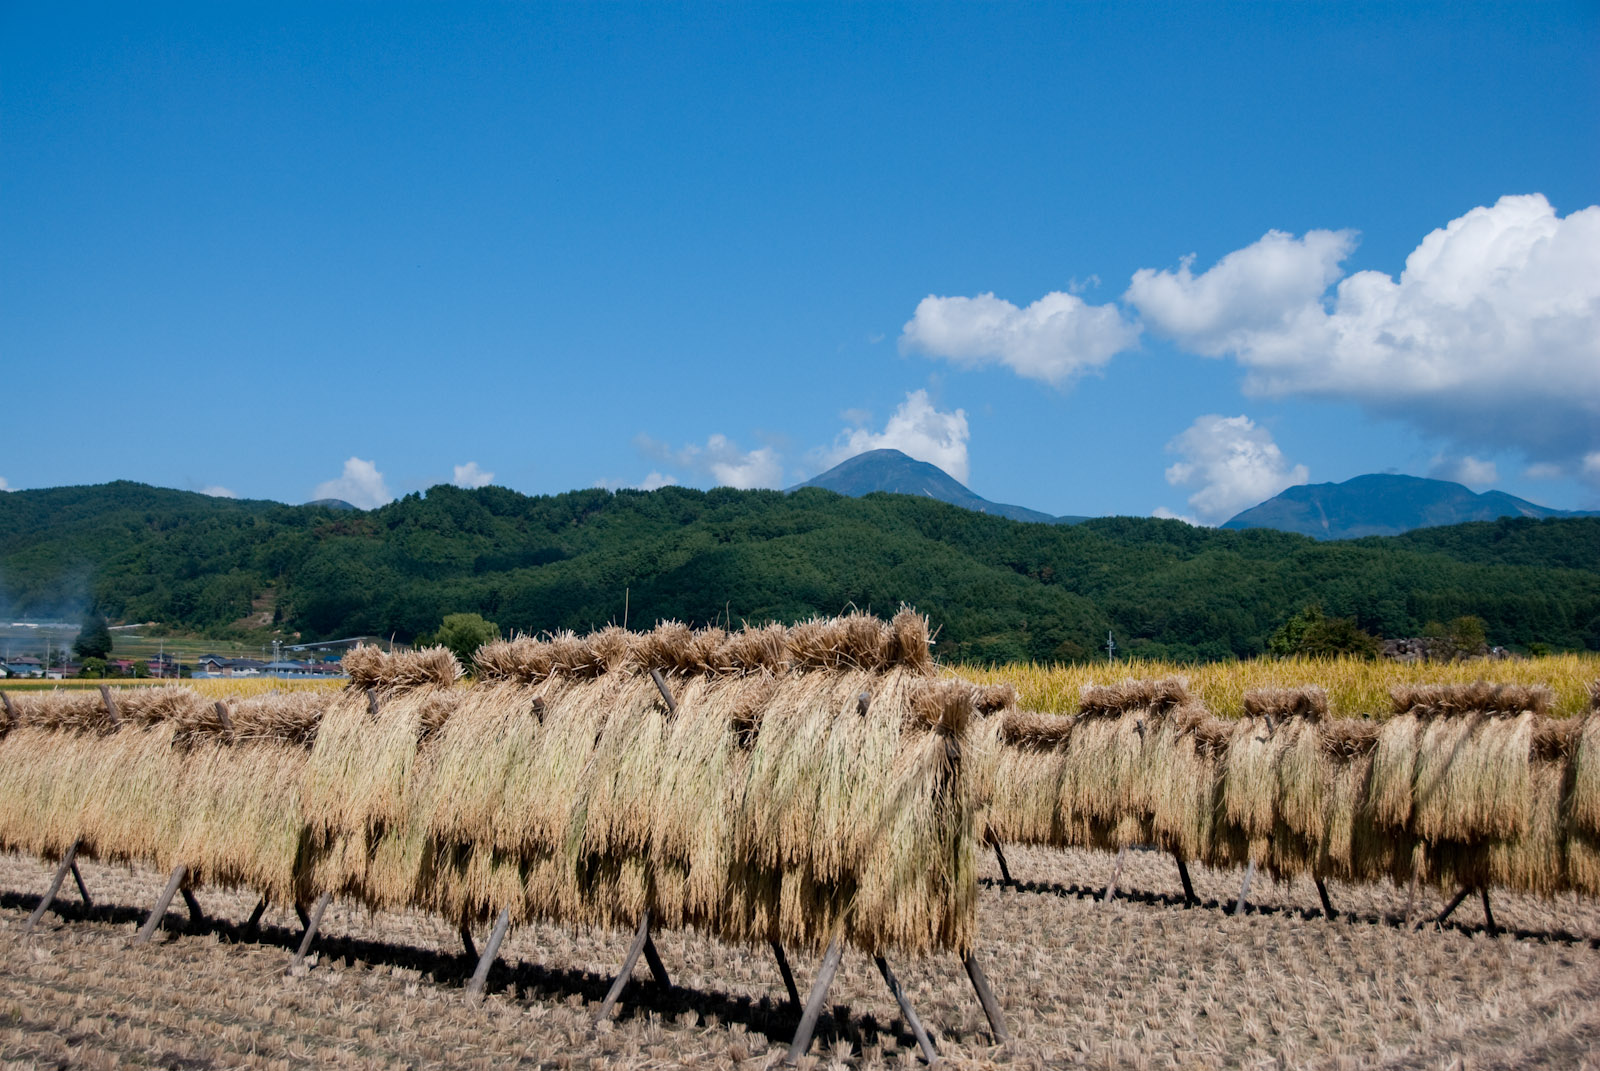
(463, 634)
(94, 638)
(1313, 633)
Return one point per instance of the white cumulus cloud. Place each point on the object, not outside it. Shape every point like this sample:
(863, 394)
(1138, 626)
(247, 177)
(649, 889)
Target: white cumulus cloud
(657, 480)
(1490, 335)
(3, 485)
(1468, 470)
(216, 490)
(1054, 339)
(361, 485)
(917, 429)
(1266, 286)
(1235, 464)
(470, 476)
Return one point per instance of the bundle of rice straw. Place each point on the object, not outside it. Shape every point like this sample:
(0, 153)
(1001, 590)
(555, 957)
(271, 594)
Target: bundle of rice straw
(804, 782)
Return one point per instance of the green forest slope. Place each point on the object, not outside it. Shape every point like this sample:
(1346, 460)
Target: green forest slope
(997, 589)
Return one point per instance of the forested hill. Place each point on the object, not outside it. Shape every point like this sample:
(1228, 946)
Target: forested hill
(995, 588)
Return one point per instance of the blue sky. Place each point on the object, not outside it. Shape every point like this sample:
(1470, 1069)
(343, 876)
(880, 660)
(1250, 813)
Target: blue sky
(1091, 258)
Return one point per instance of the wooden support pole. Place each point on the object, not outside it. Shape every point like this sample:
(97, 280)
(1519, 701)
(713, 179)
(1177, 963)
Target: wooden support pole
(83, 890)
(196, 916)
(1183, 876)
(1000, 857)
(657, 968)
(1327, 905)
(814, 1002)
(862, 702)
(991, 1006)
(67, 862)
(469, 949)
(639, 939)
(223, 716)
(11, 712)
(1488, 916)
(300, 913)
(111, 706)
(924, 1042)
(1244, 889)
(254, 924)
(312, 925)
(490, 951)
(788, 975)
(153, 923)
(1451, 906)
(372, 703)
(1116, 875)
(666, 693)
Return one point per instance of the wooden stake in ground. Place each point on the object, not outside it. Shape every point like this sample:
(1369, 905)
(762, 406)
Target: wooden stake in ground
(1450, 907)
(196, 916)
(490, 951)
(1183, 876)
(1327, 905)
(68, 863)
(153, 923)
(1116, 873)
(641, 938)
(991, 1006)
(1000, 857)
(1488, 916)
(814, 1002)
(924, 1042)
(312, 924)
(1411, 897)
(83, 890)
(254, 924)
(788, 975)
(1244, 889)
(111, 706)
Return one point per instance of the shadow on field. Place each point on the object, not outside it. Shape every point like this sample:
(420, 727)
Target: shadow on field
(1225, 907)
(775, 1019)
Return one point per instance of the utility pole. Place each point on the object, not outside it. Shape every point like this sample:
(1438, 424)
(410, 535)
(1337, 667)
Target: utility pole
(1111, 647)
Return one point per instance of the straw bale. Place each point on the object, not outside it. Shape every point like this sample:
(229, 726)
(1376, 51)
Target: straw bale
(1472, 777)
(1393, 773)
(1480, 697)
(1151, 696)
(370, 667)
(1284, 703)
(754, 650)
(1585, 807)
(63, 709)
(521, 659)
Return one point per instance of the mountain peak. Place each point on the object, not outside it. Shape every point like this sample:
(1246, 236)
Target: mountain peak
(898, 473)
(1382, 504)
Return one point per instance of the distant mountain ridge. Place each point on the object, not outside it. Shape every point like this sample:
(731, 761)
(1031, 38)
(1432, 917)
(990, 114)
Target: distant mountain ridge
(1385, 505)
(896, 473)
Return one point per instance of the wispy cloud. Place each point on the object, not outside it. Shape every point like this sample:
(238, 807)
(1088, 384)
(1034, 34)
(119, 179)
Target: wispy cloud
(3, 485)
(361, 485)
(216, 490)
(470, 476)
(1235, 464)
(721, 459)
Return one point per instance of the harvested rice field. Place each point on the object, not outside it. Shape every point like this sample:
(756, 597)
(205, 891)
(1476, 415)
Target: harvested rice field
(1139, 982)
